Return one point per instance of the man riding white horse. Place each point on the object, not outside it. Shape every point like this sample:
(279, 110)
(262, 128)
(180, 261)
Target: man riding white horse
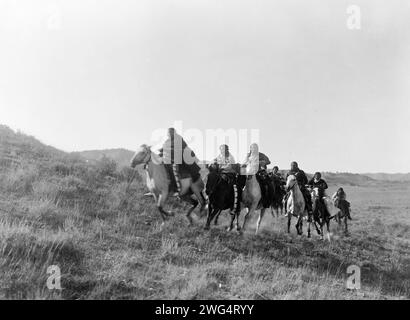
(302, 182)
(256, 164)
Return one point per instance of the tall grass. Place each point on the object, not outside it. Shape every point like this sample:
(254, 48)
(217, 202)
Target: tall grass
(110, 243)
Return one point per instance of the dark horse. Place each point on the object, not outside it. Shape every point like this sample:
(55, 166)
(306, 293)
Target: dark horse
(321, 215)
(343, 213)
(222, 194)
(277, 196)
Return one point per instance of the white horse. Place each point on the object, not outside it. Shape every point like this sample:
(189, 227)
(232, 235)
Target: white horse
(158, 183)
(251, 200)
(295, 205)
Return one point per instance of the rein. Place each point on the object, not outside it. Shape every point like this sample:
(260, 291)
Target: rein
(148, 160)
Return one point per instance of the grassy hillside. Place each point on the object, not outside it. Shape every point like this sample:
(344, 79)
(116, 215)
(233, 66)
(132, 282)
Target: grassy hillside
(58, 209)
(121, 156)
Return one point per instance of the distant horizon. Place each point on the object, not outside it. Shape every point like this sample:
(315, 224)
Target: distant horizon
(201, 160)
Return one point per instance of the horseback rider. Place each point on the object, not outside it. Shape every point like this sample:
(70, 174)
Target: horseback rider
(338, 196)
(302, 182)
(225, 163)
(256, 164)
(318, 182)
(177, 156)
(225, 160)
(277, 176)
(321, 185)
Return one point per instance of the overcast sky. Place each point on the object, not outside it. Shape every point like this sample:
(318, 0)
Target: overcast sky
(81, 74)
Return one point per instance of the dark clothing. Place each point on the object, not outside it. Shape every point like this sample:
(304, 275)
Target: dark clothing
(264, 181)
(320, 184)
(341, 195)
(266, 188)
(300, 177)
(173, 187)
(319, 203)
(175, 147)
(263, 161)
(278, 179)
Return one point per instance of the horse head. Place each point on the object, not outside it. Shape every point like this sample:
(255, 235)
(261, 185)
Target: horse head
(142, 155)
(291, 182)
(314, 192)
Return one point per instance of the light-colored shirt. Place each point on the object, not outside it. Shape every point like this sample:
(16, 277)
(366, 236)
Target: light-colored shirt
(252, 164)
(225, 163)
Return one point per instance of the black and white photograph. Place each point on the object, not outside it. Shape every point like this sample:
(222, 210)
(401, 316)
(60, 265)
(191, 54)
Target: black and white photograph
(218, 151)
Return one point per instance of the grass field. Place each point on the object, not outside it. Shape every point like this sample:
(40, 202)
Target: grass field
(109, 244)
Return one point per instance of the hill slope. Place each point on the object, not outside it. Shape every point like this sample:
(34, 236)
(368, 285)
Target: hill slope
(121, 156)
(108, 241)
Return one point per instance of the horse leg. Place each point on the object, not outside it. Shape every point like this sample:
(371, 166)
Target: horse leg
(258, 224)
(245, 220)
(238, 227)
(197, 190)
(346, 231)
(299, 225)
(339, 220)
(211, 214)
(308, 231)
(321, 230)
(289, 218)
(328, 228)
(193, 202)
(162, 198)
(216, 217)
(232, 220)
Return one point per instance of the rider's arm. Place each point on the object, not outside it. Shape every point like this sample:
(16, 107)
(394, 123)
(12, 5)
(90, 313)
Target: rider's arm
(324, 185)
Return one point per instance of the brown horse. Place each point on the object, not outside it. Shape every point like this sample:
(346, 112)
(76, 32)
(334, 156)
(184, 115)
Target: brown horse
(158, 183)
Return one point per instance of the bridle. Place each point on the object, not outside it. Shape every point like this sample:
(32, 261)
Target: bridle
(293, 185)
(145, 162)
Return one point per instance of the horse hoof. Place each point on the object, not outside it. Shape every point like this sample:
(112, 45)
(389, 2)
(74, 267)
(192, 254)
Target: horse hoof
(206, 228)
